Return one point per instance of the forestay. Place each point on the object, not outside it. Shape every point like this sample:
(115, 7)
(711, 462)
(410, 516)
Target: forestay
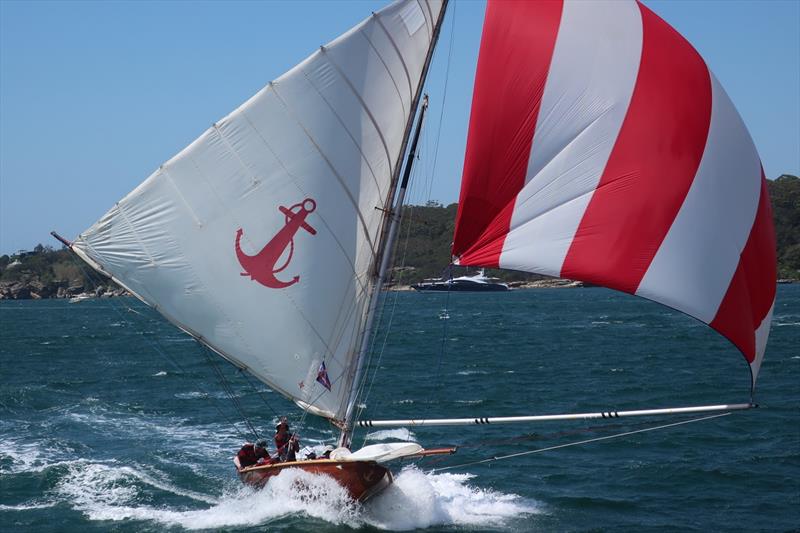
(601, 148)
(260, 237)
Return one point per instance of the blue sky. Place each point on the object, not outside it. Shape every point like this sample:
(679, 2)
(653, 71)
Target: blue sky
(94, 96)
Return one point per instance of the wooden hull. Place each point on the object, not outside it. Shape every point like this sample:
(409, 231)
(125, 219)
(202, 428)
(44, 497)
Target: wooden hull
(361, 479)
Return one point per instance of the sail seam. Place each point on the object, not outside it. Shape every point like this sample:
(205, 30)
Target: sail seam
(399, 55)
(168, 177)
(343, 375)
(388, 70)
(330, 166)
(235, 153)
(213, 189)
(364, 106)
(429, 30)
(136, 234)
(296, 182)
(345, 128)
(430, 14)
(197, 279)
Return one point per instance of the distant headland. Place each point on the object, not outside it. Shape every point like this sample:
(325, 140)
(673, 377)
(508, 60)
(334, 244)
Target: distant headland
(423, 252)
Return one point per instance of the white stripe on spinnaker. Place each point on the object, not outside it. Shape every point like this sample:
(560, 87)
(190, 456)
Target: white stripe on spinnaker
(699, 255)
(589, 86)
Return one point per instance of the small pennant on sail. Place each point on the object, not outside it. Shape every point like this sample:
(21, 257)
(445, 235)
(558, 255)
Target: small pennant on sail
(322, 376)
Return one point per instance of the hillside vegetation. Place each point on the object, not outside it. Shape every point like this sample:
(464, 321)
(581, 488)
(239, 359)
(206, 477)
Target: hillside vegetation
(423, 251)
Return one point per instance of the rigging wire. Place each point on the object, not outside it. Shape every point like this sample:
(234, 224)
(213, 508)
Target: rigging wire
(387, 328)
(443, 345)
(576, 443)
(409, 220)
(258, 392)
(444, 99)
(228, 390)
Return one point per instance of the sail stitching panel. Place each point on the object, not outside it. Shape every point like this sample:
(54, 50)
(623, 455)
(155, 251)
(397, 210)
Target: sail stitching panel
(309, 400)
(151, 301)
(428, 29)
(388, 71)
(163, 171)
(347, 130)
(399, 55)
(253, 177)
(188, 266)
(363, 106)
(430, 16)
(335, 172)
(121, 209)
(296, 182)
(343, 376)
(229, 212)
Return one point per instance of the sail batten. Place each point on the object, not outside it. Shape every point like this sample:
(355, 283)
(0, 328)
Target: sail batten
(618, 159)
(260, 238)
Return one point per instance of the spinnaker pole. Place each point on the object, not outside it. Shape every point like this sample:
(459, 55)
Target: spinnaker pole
(548, 418)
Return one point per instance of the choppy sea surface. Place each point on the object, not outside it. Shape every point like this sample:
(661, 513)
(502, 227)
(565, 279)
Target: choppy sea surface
(113, 420)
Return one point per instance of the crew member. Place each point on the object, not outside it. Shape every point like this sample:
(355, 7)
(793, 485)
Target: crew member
(253, 454)
(287, 444)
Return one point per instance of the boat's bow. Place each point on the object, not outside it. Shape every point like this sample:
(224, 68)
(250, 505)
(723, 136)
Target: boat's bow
(361, 479)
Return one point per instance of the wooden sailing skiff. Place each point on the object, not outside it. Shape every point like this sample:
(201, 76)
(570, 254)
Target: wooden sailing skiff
(600, 148)
(362, 479)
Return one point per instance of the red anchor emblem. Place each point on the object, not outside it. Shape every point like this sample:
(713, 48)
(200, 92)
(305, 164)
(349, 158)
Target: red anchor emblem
(262, 267)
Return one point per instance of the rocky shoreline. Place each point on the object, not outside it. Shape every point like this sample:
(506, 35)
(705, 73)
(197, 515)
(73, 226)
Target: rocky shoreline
(38, 290)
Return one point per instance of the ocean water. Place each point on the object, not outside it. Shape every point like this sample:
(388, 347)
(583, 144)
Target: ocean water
(113, 420)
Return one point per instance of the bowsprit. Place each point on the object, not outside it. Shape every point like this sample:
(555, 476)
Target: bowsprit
(262, 267)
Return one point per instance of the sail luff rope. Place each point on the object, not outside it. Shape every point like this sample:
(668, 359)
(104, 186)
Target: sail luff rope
(577, 443)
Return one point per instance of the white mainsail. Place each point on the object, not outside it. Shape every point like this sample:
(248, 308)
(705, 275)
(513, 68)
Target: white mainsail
(260, 238)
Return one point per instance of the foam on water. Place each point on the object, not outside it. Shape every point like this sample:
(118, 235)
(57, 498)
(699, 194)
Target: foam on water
(419, 500)
(415, 500)
(17, 456)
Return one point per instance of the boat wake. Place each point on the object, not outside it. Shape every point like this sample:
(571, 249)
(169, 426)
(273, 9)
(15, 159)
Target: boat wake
(418, 500)
(110, 492)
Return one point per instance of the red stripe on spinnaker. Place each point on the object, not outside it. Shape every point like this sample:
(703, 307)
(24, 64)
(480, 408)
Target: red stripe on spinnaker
(752, 289)
(516, 50)
(651, 166)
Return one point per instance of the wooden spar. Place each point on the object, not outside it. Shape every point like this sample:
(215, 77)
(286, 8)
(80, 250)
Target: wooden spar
(547, 418)
(433, 451)
(61, 239)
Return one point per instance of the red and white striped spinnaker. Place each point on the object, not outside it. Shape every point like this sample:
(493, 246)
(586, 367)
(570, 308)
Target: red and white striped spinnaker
(601, 148)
